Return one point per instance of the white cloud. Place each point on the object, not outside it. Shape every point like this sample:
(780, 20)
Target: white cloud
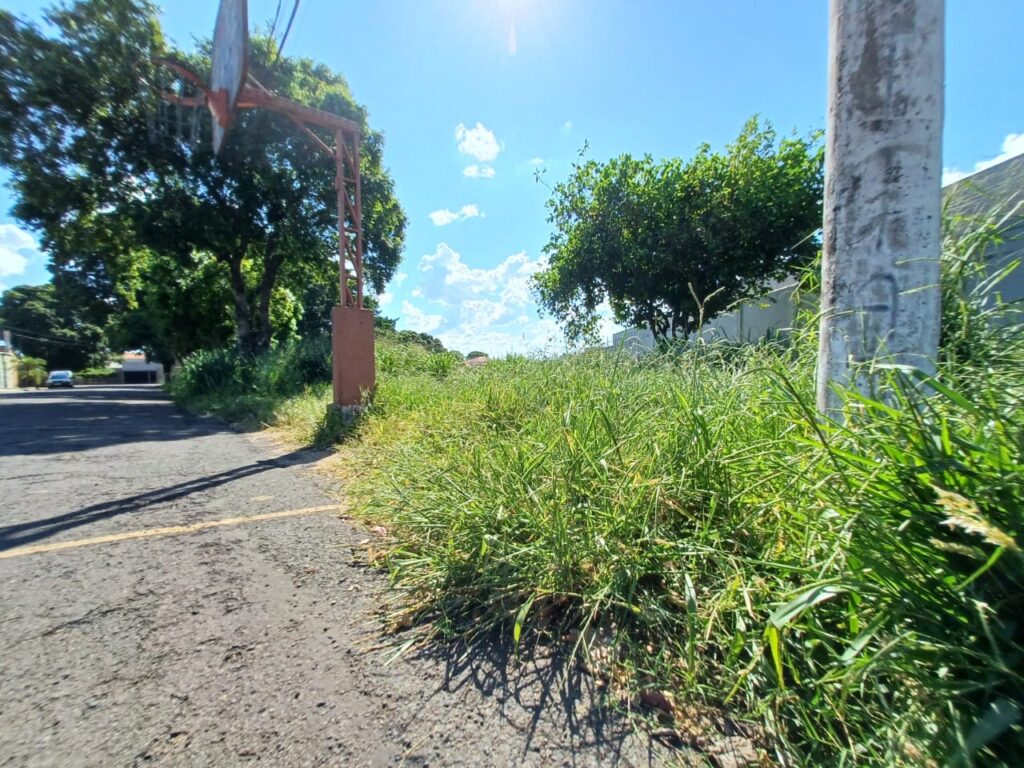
(450, 280)
(11, 262)
(1013, 145)
(486, 308)
(536, 161)
(567, 127)
(478, 142)
(480, 313)
(536, 336)
(385, 298)
(478, 171)
(400, 278)
(418, 320)
(606, 325)
(489, 327)
(951, 175)
(444, 217)
(513, 43)
(476, 307)
(17, 247)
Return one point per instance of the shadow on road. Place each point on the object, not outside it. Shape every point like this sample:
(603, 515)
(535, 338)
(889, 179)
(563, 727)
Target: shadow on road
(539, 682)
(21, 534)
(66, 420)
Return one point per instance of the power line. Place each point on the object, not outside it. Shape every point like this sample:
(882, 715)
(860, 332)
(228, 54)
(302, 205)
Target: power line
(46, 339)
(277, 15)
(287, 29)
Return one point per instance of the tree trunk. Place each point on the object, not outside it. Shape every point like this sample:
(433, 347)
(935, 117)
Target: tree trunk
(264, 329)
(657, 330)
(243, 325)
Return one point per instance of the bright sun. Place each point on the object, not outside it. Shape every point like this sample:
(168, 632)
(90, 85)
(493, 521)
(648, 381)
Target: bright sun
(510, 20)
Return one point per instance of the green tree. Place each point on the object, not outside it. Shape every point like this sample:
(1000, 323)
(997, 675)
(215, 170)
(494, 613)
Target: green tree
(43, 326)
(70, 110)
(668, 243)
(387, 324)
(425, 340)
(385, 328)
(171, 310)
(105, 169)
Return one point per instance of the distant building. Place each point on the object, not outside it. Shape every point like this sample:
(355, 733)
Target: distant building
(136, 369)
(771, 315)
(997, 191)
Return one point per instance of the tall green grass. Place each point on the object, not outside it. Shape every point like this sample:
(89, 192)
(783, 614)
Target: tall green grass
(856, 587)
(852, 590)
(282, 371)
(289, 386)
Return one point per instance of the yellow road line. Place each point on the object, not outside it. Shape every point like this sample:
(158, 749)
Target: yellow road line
(168, 531)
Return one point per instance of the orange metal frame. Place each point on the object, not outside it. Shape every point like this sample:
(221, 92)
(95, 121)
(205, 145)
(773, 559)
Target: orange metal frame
(347, 181)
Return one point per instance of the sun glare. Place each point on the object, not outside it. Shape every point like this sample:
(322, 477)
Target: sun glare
(512, 22)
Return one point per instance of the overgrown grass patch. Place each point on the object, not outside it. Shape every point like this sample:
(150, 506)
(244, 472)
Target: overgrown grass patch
(289, 387)
(853, 589)
(848, 591)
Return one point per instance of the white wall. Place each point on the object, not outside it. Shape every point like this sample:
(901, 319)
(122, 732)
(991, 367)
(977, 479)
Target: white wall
(130, 366)
(773, 314)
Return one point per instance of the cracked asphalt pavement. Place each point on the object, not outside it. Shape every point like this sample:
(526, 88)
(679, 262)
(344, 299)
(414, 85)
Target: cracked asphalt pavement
(254, 642)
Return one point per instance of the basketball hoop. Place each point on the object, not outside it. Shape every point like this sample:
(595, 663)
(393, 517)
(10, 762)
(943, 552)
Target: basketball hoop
(176, 117)
(232, 88)
(229, 66)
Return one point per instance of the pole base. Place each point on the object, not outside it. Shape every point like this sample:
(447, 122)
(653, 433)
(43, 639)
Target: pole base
(352, 355)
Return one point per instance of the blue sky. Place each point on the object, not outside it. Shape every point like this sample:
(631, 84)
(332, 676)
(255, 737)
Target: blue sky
(474, 96)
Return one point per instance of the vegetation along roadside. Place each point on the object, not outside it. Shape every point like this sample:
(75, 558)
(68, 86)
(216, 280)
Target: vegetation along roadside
(717, 555)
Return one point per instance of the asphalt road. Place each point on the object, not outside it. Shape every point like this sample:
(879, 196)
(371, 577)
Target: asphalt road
(249, 642)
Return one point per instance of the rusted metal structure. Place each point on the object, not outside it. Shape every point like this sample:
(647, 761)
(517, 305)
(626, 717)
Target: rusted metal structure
(232, 88)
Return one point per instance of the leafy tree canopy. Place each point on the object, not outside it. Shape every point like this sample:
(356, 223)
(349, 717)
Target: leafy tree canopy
(174, 311)
(44, 327)
(125, 190)
(382, 323)
(668, 243)
(425, 340)
(385, 329)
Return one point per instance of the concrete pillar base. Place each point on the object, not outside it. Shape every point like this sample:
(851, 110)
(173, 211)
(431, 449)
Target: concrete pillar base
(347, 414)
(352, 355)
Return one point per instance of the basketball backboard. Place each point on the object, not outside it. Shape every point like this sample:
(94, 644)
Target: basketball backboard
(230, 63)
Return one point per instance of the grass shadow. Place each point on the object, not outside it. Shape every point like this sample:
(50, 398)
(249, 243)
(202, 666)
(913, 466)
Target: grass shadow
(337, 425)
(544, 687)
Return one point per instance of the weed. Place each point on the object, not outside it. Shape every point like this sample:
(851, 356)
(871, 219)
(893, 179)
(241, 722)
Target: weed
(851, 590)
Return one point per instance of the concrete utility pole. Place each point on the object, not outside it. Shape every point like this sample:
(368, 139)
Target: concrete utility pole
(883, 175)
